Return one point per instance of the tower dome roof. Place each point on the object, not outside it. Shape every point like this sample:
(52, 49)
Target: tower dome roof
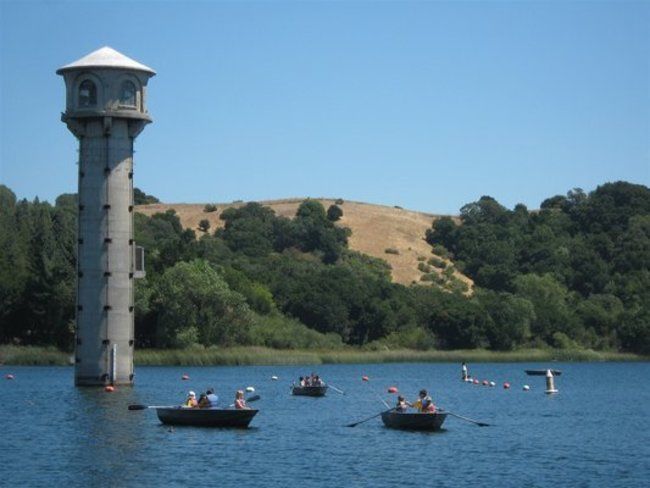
(106, 57)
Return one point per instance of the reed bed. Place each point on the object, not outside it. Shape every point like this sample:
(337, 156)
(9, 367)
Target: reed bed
(33, 356)
(237, 356)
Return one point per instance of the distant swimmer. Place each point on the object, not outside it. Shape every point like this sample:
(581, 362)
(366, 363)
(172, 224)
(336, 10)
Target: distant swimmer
(464, 373)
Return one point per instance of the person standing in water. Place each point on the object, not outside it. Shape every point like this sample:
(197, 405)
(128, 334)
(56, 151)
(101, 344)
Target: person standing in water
(465, 374)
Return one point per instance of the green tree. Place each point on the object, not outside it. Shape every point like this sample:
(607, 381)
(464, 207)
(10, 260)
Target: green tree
(334, 213)
(195, 304)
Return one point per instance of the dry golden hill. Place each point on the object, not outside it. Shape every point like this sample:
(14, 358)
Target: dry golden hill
(375, 229)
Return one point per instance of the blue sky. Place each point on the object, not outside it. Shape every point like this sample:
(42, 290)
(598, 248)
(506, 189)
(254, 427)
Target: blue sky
(426, 105)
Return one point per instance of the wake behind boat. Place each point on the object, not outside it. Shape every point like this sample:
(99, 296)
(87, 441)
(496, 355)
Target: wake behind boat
(413, 421)
(206, 417)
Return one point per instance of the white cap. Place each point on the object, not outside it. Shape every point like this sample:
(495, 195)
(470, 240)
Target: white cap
(191, 393)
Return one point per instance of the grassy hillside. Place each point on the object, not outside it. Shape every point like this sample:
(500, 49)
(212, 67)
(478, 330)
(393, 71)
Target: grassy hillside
(375, 228)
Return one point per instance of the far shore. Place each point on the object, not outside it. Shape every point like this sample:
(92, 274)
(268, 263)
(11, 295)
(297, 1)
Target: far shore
(244, 356)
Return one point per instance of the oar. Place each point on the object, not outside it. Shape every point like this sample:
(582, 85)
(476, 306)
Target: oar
(254, 398)
(480, 424)
(354, 424)
(145, 407)
(336, 389)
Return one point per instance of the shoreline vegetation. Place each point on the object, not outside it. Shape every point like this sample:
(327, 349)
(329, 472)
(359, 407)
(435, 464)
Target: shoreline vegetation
(261, 356)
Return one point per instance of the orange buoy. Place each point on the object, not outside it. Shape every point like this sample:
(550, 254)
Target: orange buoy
(506, 386)
(392, 389)
(364, 378)
(109, 388)
(185, 377)
(9, 376)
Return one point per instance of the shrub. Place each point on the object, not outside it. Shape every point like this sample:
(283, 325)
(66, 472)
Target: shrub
(415, 338)
(440, 250)
(280, 332)
(424, 267)
(204, 225)
(391, 250)
(210, 207)
(457, 286)
(421, 258)
(437, 262)
(339, 201)
(334, 213)
(433, 278)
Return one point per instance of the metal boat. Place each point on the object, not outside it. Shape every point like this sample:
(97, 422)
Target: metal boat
(542, 372)
(312, 391)
(413, 421)
(206, 417)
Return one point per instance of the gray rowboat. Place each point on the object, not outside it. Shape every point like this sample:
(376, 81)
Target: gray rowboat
(413, 421)
(205, 417)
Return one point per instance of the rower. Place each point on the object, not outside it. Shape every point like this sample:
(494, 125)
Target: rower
(418, 403)
(402, 404)
(209, 400)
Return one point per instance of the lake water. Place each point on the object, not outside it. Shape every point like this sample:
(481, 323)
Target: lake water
(595, 432)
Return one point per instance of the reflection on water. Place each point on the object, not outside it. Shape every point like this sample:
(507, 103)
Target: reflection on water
(593, 433)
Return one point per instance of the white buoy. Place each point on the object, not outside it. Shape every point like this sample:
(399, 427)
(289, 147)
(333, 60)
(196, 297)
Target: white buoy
(274, 378)
(526, 387)
(250, 389)
(550, 383)
(492, 383)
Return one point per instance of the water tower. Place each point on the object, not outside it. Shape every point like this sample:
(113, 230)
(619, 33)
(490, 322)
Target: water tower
(105, 110)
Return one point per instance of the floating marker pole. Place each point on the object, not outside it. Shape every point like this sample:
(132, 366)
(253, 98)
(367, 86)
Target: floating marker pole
(550, 384)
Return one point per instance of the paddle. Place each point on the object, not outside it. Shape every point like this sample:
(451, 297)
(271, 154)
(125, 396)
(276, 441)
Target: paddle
(480, 424)
(336, 389)
(354, 424)
(145, 407)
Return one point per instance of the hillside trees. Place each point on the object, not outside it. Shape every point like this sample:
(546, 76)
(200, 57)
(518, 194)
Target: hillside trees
(552, 276)
(582, 261)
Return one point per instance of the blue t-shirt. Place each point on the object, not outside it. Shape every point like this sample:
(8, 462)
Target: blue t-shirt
(213, 399)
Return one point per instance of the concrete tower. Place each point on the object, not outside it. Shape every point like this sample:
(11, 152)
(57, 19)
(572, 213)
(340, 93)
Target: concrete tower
(105, 110)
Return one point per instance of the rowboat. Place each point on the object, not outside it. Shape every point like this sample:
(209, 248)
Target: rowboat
(312, 391)
(542, 372)
(413, 421)
(205, 417)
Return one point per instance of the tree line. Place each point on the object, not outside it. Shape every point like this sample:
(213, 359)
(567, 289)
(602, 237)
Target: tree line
(575, 273)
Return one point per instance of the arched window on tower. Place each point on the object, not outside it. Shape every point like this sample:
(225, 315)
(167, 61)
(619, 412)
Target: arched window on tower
(87, 94)
(127, 94)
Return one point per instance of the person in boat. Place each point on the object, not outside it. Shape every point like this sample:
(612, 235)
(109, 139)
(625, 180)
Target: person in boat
(317, 381)
(307, 381)
(240, 403)
(428, 405)
(203, 401)
(402, 405)
(301, 381)
(417, 404)
(464, 374)
(190, 401)
(212, 398)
